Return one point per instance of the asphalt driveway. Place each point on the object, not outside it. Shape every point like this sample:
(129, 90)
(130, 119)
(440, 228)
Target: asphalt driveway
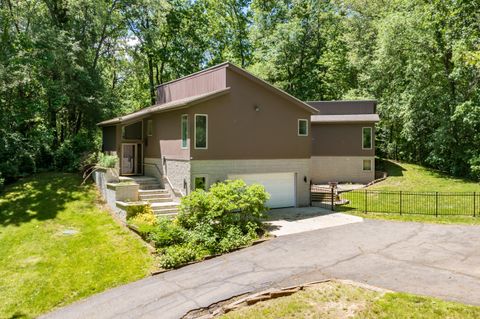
(436, 260)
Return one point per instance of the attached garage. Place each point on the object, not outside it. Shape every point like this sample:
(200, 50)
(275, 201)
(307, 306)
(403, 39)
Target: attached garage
(280, 186)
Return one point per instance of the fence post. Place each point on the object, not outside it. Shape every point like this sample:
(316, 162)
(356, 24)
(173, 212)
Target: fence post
(400, 202)
(332, 200)
(474, 204)
(366, 201)
(436, 204)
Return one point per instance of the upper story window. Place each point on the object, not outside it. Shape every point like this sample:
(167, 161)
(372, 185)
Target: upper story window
(184, 128)
(302, 127)
(201, 131)
(149, 128)
(367, 138)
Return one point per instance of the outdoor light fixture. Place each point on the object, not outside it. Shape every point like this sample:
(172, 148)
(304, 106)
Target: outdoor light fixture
(305, 179)
(257, 108)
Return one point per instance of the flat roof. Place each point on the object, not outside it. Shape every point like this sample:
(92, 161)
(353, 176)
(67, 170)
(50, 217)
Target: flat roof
(345, 118)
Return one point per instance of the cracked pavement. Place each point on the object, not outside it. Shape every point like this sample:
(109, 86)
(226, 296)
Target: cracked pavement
(426, 259)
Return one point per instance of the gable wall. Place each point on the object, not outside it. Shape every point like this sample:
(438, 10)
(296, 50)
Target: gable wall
(237, 131)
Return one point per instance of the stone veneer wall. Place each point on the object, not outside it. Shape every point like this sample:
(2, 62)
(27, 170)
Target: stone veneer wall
(108, 194)
(218, 170)
(178, 171)
(341, 169)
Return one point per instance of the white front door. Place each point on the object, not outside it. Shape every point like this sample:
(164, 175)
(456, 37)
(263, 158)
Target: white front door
(280, 186)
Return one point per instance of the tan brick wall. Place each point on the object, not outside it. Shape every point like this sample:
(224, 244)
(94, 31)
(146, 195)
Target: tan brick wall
(341, 169)
(218, 170)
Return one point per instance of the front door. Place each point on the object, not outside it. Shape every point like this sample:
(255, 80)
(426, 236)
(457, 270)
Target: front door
(129, 159)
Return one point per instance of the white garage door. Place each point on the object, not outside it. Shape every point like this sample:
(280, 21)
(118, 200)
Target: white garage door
(281, 187)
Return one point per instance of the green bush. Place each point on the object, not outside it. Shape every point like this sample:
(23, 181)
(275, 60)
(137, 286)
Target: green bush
(177, 255)
(233, 239)
(167, 233)
(140, 209)
(221, 220)
(72, 152)
(107, 161)
(2, 181)
(142, 218)
(228, 203)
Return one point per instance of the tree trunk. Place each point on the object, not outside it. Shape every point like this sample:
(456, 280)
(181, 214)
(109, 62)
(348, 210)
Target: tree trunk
(150, 78)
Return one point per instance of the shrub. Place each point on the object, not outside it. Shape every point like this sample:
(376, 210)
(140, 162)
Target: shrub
(228, 203)
(140, 209)
(107, 161)
(233, 239)
(72, 152)
(177, 255)
(206, 236)
(223, 219)
(167, 233)
(1, 181)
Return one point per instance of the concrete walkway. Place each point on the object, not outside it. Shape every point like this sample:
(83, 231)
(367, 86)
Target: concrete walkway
(288, 221)
(437, 260)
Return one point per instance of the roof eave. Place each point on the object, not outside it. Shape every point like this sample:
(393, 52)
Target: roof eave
(154, 109)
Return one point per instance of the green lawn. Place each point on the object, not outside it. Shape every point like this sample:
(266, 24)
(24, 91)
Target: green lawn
(415, 190)
(41, 267)
(335, 300)
(416, 178)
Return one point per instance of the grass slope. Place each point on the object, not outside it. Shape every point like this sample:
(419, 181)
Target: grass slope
(42, 268)
(456, 207)
(416, 178)
(336, 300)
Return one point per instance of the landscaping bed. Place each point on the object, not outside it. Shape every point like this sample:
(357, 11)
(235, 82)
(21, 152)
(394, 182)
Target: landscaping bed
(226, 218)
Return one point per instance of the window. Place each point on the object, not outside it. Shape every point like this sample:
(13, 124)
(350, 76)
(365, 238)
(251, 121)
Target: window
(184, 128)
(367, 165)
(149, 128)
(302, 127)
(367, 138)
(200, 182)
(201, 131)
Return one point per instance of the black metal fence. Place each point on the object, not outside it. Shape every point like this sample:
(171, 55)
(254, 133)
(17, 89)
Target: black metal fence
(421, 203)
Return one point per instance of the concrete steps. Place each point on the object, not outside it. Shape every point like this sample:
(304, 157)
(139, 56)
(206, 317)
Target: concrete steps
(151, 191)
(165, 208)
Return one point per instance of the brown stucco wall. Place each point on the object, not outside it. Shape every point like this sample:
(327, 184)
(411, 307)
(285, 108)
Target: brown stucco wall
(192, 85)
(340, 140)
(237, 131)
(166, 138)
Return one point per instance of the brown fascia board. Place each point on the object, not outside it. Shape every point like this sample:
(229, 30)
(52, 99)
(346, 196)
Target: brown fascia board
(165, 107)
(272, 88)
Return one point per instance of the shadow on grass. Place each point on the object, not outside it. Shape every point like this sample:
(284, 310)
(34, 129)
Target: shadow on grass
(392, 168)
(39, 197)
